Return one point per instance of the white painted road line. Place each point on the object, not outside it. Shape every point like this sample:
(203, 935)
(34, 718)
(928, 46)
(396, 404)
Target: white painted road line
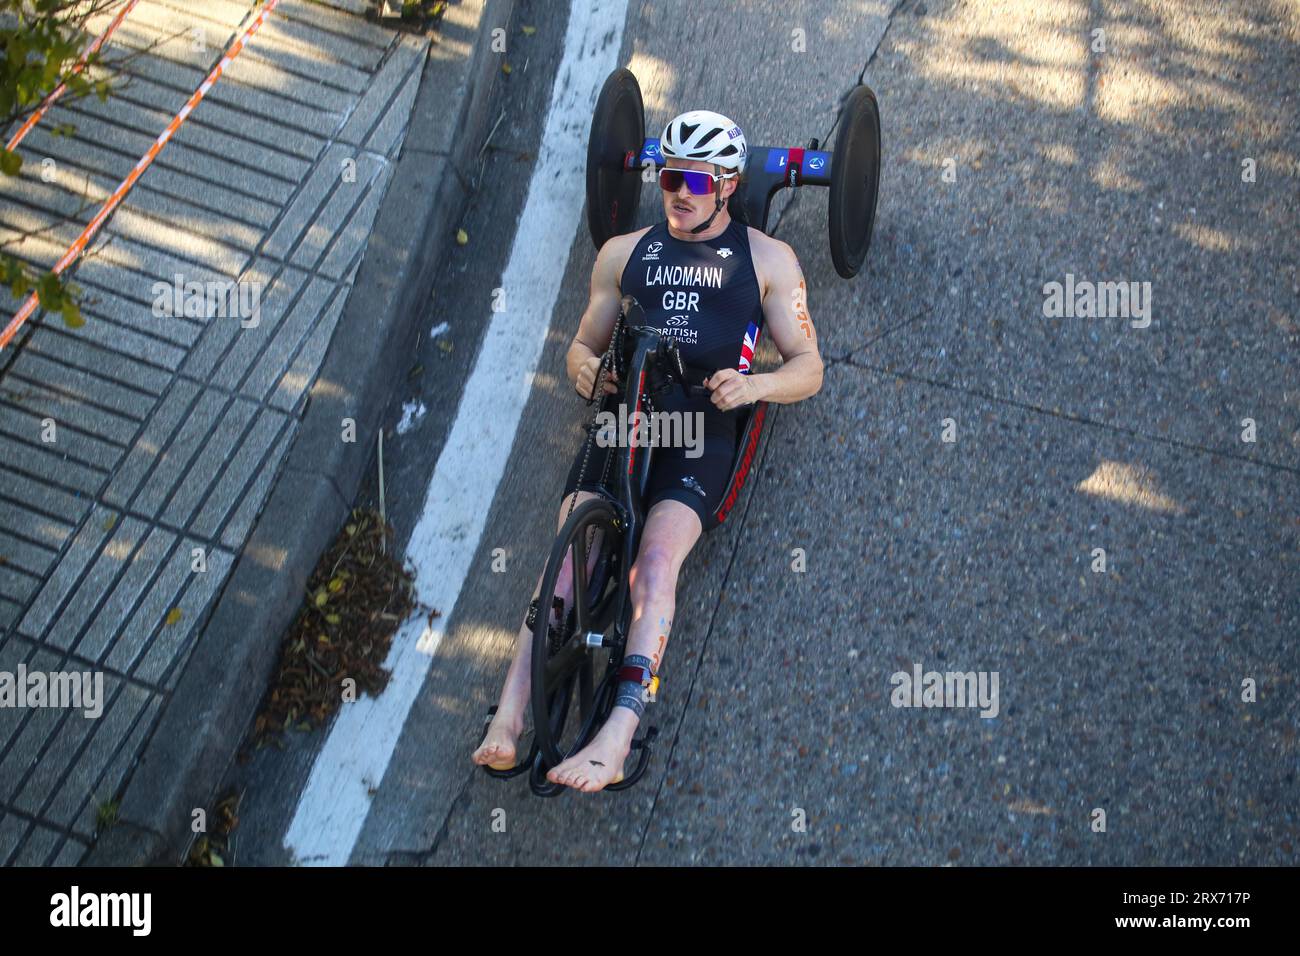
(334, 804)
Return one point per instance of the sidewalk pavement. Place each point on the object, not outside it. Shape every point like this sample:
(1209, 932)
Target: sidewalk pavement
(169, 481)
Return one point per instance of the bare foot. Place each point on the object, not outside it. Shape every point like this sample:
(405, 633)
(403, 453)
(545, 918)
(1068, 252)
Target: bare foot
(498, 748)
(600, 763)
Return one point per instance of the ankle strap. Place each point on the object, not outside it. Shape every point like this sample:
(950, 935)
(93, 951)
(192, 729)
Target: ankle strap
(641, 675)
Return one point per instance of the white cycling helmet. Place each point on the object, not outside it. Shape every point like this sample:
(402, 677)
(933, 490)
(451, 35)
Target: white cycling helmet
(706, 136)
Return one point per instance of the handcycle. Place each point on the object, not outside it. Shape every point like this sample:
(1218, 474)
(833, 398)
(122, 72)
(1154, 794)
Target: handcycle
(578, 644)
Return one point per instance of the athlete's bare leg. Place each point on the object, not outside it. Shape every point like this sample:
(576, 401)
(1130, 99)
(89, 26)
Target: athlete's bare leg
(671, 531)
(502, 738)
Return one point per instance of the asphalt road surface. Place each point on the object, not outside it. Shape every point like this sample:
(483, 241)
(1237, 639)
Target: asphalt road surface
(1020, 147)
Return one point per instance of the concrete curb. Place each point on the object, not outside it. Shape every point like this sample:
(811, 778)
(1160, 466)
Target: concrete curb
(213, 703)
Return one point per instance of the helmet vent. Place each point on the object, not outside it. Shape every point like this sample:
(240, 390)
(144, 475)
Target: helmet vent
(712, 133)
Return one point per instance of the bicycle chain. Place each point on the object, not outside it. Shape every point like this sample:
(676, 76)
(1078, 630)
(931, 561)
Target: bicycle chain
(610, 358)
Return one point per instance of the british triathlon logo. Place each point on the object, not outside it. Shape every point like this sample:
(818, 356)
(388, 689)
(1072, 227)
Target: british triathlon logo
(677, 326)
(724, 252)
(652, 252)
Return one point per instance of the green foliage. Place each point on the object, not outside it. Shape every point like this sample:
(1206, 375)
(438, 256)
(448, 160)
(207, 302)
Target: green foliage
(106, 815)
(40, 44)
(425, 10)
(38, 49)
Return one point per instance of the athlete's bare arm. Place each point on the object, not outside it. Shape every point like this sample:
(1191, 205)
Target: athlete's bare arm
(788, 322)
(597, 325)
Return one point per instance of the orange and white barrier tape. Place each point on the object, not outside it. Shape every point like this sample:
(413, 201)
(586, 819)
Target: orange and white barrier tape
(59, 90)
(145, 162)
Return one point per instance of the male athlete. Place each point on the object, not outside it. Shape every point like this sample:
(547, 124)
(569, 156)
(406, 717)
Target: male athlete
(712, 284)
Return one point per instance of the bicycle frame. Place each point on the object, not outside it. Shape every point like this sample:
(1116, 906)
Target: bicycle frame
(625, 494)
(632, 472)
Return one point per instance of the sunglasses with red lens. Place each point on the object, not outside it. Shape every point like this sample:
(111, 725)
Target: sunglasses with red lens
(700, 184)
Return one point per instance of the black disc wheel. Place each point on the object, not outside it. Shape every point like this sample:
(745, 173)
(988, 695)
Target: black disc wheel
(617, 128)
(855, 181)
(580, 590)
